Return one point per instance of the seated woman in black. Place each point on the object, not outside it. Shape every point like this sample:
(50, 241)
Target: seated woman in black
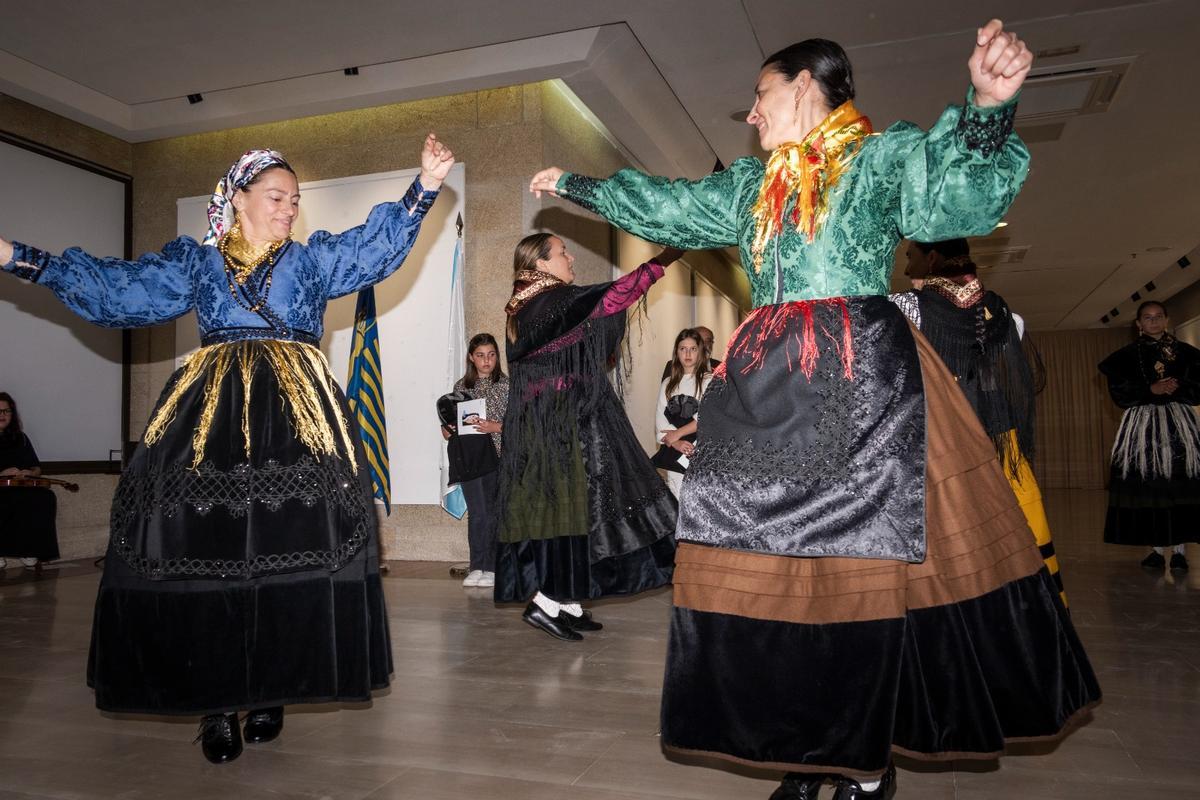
(27, 513)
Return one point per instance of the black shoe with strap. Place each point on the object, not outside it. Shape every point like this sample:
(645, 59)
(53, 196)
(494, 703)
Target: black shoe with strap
(798, 786)
(263, 725)
(536, 616)
(1178, 564)
(220, 738)
(583, 622)
(850, 789)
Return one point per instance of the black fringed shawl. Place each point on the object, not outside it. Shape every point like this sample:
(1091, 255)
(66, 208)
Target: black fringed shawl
(558, 373)
(1132, 369)
(980, 345)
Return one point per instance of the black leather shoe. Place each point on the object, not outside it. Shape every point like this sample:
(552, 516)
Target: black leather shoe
(263, 725)
(1154, 561)
(220, 738)
(798, 786)
(584, 621)
(850, 789)
(536, 616)
(1178, 564)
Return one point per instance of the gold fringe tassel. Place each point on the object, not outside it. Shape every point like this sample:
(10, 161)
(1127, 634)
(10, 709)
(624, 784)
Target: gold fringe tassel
(306, 386)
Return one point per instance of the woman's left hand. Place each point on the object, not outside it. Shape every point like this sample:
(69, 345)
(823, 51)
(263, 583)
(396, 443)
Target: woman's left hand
(999, 64)
(436, 161)
(11, 472)
(488, 426)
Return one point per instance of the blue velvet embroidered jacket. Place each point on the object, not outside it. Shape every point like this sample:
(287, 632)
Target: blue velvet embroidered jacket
(159, 287)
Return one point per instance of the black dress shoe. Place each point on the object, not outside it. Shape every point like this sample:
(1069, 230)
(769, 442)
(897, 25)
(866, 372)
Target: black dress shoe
(850, 789)
(1154, 561)
(220, 738)
(1178, 564)
(798, 786)
(263, 725)
(584, 621)
(536, 616)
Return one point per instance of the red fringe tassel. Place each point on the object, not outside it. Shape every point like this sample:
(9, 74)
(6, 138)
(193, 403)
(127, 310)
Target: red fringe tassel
(768, 324)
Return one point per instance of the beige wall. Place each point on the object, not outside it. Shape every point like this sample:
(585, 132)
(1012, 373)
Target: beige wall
(30, 122)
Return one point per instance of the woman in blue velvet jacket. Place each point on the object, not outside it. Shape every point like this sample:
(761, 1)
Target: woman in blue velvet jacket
(242, 571)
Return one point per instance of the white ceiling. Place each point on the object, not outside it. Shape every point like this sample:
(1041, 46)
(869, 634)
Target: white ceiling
(663, 76)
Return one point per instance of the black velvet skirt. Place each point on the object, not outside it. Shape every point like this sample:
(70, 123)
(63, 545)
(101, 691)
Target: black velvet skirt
(28, 528)
(605, 528)
(1154, 481)
(248, 580)
(854, 576)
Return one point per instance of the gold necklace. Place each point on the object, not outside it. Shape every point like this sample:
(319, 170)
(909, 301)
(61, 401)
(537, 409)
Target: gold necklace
(242, 258)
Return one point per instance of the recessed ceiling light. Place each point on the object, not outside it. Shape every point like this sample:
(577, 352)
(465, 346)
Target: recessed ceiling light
(1158, 248)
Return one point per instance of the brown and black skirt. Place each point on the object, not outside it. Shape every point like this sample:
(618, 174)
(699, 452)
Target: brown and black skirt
(854, 576)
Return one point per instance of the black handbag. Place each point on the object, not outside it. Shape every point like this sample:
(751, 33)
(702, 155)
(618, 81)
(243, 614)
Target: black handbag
(470, 456)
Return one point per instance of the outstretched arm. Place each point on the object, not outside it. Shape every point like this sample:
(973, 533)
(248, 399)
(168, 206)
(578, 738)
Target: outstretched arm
(961, 177)
(110, 291)
(365, 255)
(692, 215)
(629, 288)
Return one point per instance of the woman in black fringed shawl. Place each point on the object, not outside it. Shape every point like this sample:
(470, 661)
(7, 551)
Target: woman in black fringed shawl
(982, 342)
(583, 514)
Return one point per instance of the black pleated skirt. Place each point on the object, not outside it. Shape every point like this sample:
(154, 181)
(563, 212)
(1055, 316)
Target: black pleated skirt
(249, 580)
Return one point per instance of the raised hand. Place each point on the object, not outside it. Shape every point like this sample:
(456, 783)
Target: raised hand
(6, 252)
(999, 64)
(436, 161)
(545, 181)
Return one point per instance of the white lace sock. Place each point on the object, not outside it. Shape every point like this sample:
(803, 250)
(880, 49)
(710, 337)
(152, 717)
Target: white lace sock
(1178, 549)
(870, 786)
(574, 609)
(551, 607)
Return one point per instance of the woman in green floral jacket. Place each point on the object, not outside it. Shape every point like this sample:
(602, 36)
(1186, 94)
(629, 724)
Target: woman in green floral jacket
(854, 577)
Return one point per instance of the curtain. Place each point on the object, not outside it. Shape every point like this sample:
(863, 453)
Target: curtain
(1076, 419)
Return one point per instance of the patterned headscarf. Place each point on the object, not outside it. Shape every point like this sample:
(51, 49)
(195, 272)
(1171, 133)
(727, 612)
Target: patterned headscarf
(220, 211)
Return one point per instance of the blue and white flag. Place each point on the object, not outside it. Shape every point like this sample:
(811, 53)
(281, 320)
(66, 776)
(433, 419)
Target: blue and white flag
(456, 358)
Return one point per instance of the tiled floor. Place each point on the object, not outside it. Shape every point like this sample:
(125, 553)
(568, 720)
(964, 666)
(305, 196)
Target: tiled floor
(484, 707)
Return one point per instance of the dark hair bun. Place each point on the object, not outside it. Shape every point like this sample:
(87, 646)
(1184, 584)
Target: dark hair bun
(826, 61)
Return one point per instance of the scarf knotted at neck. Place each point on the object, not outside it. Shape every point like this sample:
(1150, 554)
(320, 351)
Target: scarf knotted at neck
(807, 171)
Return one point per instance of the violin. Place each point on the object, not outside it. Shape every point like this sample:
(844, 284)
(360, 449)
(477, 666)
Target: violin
(13, 481)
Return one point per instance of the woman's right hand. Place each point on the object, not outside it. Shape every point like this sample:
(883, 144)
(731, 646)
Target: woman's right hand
(11, 472)
(545, 181)
(1165, 386)
(6, 252)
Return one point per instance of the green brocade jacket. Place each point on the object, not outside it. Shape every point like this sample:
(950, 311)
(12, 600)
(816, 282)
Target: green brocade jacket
(956, 180)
